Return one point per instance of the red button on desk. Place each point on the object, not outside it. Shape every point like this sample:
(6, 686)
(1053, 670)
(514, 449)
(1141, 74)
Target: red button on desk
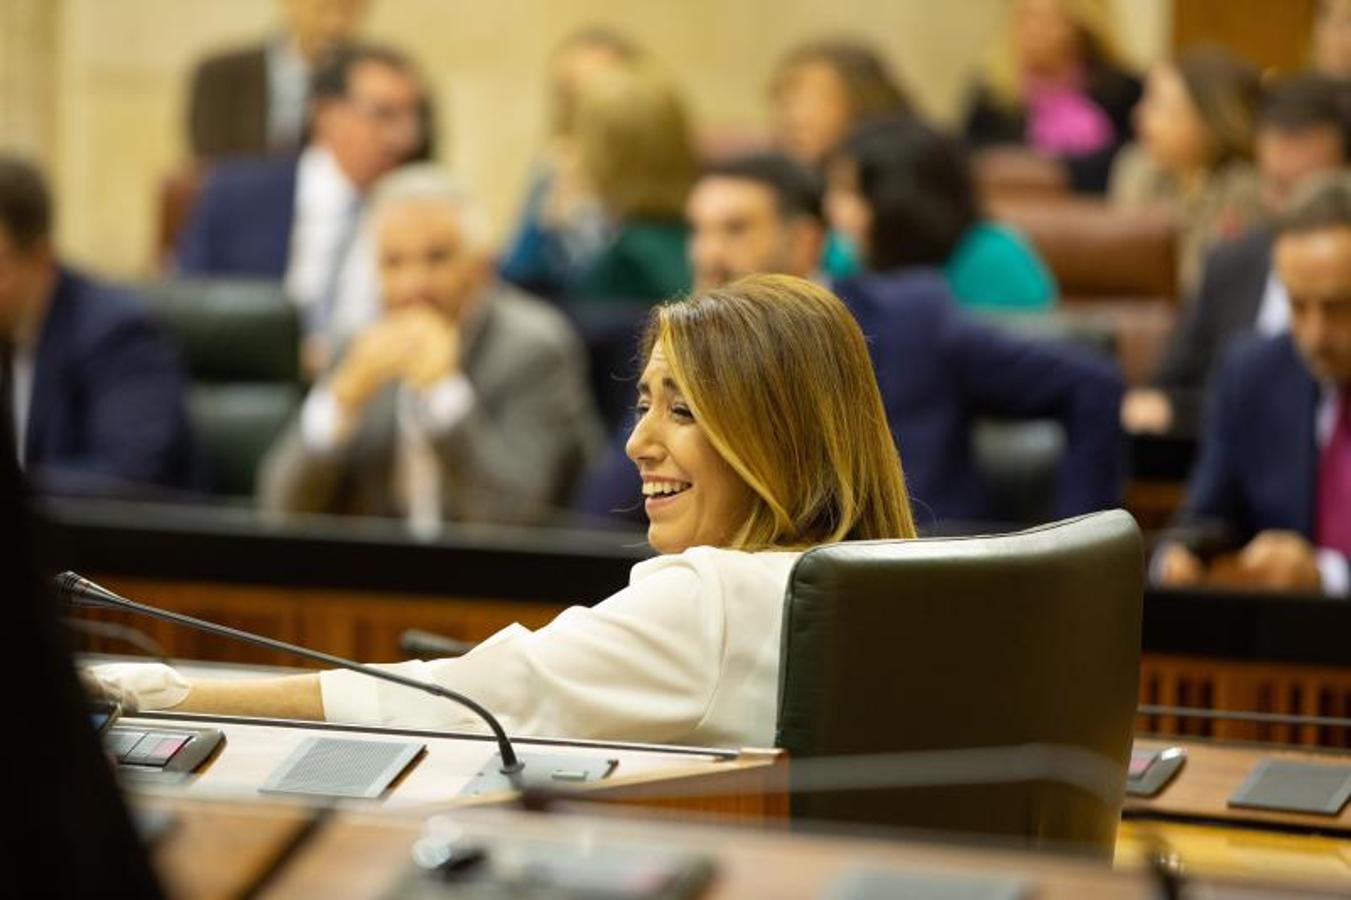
(165, 750)
(156, 749)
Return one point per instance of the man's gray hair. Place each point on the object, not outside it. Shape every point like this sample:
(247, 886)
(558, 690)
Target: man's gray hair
(1324, 202)
(429, 183)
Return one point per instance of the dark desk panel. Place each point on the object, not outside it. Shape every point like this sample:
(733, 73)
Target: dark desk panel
(238, 546)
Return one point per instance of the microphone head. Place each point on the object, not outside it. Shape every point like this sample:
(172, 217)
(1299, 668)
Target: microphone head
(79, 591)
(67, 583)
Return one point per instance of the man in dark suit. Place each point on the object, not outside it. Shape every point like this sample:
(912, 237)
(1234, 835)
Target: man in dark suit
(300, 219)
(91, 391)
(1275, 471)
(1303, 130)
(251, 101)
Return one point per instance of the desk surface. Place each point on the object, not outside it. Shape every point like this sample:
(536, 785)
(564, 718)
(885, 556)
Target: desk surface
(747, 782)
(1214, 771)
(362, 854)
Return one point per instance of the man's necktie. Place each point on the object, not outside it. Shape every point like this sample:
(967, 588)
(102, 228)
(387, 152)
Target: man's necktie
(1334, 482)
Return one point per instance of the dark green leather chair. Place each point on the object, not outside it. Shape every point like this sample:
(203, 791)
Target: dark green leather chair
(240, 343)
(899, 647)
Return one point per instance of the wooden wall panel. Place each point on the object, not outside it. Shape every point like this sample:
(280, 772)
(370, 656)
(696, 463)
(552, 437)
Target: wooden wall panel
(1246, 687)
(1269, 33)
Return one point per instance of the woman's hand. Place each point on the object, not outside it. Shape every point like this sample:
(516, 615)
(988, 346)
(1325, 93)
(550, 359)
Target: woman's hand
(137, 687)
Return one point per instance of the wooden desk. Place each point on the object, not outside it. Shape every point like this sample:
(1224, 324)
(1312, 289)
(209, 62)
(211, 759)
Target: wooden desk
(1236, 852)
(1213, 772)
(363, 854)
(746, 783)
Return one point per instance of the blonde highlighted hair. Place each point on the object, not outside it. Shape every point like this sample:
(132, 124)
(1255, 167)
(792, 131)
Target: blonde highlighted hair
(777, 372)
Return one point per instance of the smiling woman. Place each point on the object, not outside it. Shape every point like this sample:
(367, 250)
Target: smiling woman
(760, 432)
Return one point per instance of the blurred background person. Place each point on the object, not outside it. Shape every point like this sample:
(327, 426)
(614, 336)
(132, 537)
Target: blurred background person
(300, 219)
(466, 400)
(1332, 38)
(747, 215)
(919, 180)
(1055, 84)
(631, 146)
(253, 100)
(563, 229)
(1194, 154)
(822, 90)
(819, 93)
(1303, 131)
(1274, 477)
(91, 391)
(755, 214)
(939, 369)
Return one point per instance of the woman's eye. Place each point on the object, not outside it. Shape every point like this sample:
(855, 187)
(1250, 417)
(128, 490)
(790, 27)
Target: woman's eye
(640, 410)
(682, 412)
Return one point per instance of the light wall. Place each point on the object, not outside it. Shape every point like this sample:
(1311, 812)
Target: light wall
(95, 88)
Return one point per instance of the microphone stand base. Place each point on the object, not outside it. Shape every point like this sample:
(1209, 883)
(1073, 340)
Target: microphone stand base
(552, 772)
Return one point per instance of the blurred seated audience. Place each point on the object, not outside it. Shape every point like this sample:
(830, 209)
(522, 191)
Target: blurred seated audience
(631, 147)
(91, 391)
(921, 184)
(1055, 85)
(252, 100)
(1274, 477)
(563, 229)
(300, 219)
(1303, 130)
(820, 92)
(939, 369)
(1194, 155)
(748, 215)
(1332, 39)
(467, 399)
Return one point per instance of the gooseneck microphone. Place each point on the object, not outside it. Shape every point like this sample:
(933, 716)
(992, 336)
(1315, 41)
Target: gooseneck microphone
(81, 592)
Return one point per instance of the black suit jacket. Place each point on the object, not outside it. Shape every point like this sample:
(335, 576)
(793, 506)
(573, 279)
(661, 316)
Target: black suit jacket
(107, 414)
(1230, 298)
(227, 113)
(1259, 459)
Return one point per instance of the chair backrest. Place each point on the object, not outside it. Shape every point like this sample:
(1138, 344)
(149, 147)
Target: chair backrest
(1098, 251)
(957, 643)
(240, 344)
(1003, 172)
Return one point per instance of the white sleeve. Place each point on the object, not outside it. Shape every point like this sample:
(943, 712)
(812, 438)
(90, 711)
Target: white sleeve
(323, 426)
(442, 406)
(642, 665)
(1333, 572)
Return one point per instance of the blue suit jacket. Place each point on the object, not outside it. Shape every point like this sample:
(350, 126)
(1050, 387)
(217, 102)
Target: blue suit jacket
(938, 370)
(1258, 467)
(241, 223)
(107, 411)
